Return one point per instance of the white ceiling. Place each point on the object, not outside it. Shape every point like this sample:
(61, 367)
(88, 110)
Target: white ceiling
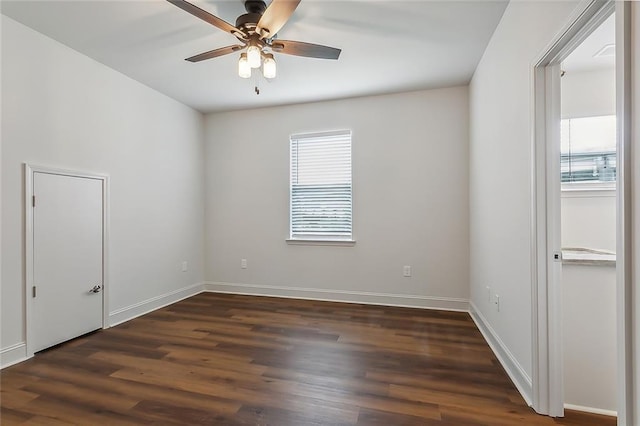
(387, 46)
(583, 59)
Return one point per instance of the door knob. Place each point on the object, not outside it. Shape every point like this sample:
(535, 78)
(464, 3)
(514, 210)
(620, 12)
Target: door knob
(95, 289)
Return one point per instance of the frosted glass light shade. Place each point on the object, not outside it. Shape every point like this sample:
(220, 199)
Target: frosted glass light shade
(269, 66)
(253, 56)
(244, 70)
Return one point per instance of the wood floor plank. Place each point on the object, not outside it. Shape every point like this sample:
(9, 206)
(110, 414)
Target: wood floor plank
(576, 418)
(389, 405)
(61, 409)
(256, 415)
(478, 417)
(16, 398)
(222, 359)
(178, 414)
(45, 421)
(13, 378)
(351, 384)
(372, 417)
(442, 383)
(112, 385)
(12, 416)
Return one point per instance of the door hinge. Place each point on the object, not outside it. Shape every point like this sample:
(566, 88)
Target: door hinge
(33, 200)
(33, 291)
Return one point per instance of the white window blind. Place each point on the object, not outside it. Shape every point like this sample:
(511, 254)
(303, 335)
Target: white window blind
(320, 190)
(588, 149)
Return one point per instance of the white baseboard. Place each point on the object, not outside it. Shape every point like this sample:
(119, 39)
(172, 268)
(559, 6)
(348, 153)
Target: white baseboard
(133, 311)
(386, 299)
(513, 368)
(591, 410)
(13, 354)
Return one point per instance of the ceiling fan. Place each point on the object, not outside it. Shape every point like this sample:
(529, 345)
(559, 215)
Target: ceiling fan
(257, 32)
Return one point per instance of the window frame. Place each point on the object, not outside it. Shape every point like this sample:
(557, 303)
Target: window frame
(329, 240)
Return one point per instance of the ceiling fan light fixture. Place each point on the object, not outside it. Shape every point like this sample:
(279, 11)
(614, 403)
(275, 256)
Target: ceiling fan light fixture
(254, 56)
(269, 66)
(244, 70)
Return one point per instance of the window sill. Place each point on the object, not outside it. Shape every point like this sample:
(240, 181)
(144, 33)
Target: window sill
(312, 242)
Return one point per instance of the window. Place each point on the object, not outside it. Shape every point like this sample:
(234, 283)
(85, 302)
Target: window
(588, 150)
(320, 190)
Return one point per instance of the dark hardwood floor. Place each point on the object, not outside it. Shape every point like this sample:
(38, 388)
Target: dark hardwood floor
(237, 360)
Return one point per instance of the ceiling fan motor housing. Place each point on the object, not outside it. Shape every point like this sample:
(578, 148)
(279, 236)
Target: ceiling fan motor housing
(248, 22)
(255, 6)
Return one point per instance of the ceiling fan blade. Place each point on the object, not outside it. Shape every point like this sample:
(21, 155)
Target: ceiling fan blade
(215, 53)
(309, 50)
(206, 16)
(276, 15)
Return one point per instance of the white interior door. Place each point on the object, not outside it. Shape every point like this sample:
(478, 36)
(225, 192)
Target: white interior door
(67, 258)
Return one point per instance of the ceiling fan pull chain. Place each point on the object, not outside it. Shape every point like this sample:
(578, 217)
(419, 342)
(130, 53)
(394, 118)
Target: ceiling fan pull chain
(256, 83)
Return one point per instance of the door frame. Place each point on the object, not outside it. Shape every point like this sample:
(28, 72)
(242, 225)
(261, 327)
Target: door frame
(29, 171)
(547, 358)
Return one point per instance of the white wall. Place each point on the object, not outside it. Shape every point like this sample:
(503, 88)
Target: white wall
(500, 176)
(410, 179)
(589, 220)
(588, 93)
(589, 328)
(64, 110)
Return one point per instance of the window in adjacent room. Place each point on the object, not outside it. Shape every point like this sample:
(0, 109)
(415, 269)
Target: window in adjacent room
(320, 188)
(588, 150)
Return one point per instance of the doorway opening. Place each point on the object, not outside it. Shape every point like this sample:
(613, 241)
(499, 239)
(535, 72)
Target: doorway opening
(588, 222)
(564, 165)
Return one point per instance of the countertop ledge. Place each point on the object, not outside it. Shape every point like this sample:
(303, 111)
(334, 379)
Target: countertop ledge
(587, 256)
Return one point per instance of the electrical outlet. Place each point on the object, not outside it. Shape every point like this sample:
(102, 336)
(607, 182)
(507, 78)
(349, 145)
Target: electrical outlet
(185, 266)
(497, 302)
(243, 263)
(406, 271)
